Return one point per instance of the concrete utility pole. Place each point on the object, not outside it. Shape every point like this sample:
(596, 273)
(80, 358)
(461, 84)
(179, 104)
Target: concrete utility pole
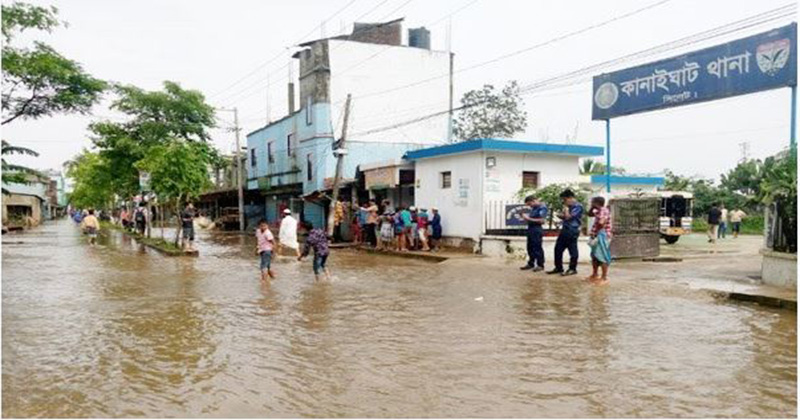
(238, 165)
(239, 169)
(450, 92)
(339, 153)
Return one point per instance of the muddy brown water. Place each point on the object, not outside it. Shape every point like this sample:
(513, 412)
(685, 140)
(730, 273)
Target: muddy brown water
(119, 330)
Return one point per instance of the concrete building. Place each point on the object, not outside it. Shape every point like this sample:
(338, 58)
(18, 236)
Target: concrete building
(24, 205)
(469, 181)
(292, 158)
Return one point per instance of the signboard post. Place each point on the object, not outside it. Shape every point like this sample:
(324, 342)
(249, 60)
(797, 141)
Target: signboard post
(760, 62)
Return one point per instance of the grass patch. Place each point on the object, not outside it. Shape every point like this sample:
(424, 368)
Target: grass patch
(753, 225)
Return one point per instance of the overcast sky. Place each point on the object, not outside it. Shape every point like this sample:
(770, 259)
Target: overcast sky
(210, 45)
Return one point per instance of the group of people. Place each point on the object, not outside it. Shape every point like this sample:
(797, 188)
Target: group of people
(402, 228)
(135, 220)
(265, 245)
(571, 216)
(718, 220)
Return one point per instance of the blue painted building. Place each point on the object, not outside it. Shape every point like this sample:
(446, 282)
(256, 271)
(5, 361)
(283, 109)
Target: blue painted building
(291, 161)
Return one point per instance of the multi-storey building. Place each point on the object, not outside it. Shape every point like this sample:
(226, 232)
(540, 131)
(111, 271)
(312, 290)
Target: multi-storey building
(291, 160)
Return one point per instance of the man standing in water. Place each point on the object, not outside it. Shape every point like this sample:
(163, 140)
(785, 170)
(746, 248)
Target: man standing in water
(288, 233)
(264, 243)
(568, 238)
(187, 226)
(91, 226)
(319, 241)
(535, 217)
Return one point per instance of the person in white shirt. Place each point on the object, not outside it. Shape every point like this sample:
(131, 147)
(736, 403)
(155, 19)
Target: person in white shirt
(736, 221)
(723, 222)
(288, 233)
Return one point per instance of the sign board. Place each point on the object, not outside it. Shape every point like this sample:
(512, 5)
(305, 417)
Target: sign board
(144, 181)
(514, 214)
(380, 178)
(760, 62)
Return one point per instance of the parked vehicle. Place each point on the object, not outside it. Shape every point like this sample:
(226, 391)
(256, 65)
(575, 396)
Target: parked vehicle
(676, 215)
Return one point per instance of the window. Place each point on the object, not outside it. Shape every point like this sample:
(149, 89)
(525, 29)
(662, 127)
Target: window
(253, 157)
(289, 141)
(309, 174)
(270, 156)
(309, 115)
(530, 180)
(447, 179)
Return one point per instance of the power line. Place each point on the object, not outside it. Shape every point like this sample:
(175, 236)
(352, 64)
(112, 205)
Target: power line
(542, 85)
(268, 62)
(521, 51)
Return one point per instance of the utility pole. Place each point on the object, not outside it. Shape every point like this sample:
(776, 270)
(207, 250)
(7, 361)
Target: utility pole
(339, 153)
(238, 165)
(450, 54)
(745, 148)
(239, 169)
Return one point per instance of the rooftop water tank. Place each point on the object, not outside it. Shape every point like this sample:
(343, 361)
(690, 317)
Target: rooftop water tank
(419, 38)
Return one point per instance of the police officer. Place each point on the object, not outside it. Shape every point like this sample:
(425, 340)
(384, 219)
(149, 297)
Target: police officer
(568, 238)
(535, 217)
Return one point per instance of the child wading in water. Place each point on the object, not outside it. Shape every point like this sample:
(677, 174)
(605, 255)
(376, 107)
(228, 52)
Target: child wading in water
(265, 241)
(319, 241)
(600, 241)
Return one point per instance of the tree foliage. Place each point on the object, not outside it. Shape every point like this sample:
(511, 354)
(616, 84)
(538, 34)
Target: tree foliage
(93, 183)
(156, 118)
(593, 167)
(779, 187)
(13, 173)
(487, 113)
(39, 81)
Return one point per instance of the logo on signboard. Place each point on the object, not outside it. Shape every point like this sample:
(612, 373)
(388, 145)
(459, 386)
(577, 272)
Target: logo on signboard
(773, 56)
(606, 95)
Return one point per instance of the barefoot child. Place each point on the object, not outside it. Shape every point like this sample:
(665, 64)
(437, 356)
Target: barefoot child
(600, 240)
(265, 242)
(319, 241)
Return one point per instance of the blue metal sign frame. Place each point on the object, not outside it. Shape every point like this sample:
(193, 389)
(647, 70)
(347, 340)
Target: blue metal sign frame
(760, 62)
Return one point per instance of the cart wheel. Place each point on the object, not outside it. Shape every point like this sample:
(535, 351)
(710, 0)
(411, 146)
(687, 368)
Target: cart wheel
(671, 239)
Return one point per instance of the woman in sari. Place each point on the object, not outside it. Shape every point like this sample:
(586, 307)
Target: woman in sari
(600, 241)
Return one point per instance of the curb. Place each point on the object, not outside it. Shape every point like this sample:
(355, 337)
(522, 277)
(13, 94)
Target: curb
(430, 258)
(151, 243)
(771, 301)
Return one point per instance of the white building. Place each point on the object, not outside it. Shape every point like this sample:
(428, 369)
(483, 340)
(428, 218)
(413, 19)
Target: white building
(471, 182)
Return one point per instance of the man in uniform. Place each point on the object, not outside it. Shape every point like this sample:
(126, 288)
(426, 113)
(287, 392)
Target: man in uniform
(568, 238)
(535, 217)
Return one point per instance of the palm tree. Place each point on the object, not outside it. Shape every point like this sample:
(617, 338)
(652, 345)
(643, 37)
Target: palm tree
(588, 167)
(16, 173)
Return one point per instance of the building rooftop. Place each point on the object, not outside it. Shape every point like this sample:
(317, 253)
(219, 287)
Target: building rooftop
(509, 146)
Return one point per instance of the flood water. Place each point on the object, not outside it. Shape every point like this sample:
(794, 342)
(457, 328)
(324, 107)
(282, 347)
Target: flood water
(119, 330)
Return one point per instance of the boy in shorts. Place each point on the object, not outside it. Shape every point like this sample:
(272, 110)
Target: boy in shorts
(265, 242)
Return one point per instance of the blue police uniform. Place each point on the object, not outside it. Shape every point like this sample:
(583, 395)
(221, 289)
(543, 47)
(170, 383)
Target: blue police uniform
(568, 238)
(535, 231)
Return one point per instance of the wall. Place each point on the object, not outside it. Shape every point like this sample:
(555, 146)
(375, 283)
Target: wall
(362, 69)
(34, 202)
(779, 269)
(461, 217)
(507, 173)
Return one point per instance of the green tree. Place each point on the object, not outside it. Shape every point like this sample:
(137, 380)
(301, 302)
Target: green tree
(156, 118)
(745, 178)
(16, 173)
(39, 81)
(779, 187)
(593, 167)
(93, 185)
(178, 172)
(486, 113)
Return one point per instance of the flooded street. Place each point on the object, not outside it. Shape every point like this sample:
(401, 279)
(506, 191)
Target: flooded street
(121, 331)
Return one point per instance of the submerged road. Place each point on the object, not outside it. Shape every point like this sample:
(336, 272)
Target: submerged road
(120, 331)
